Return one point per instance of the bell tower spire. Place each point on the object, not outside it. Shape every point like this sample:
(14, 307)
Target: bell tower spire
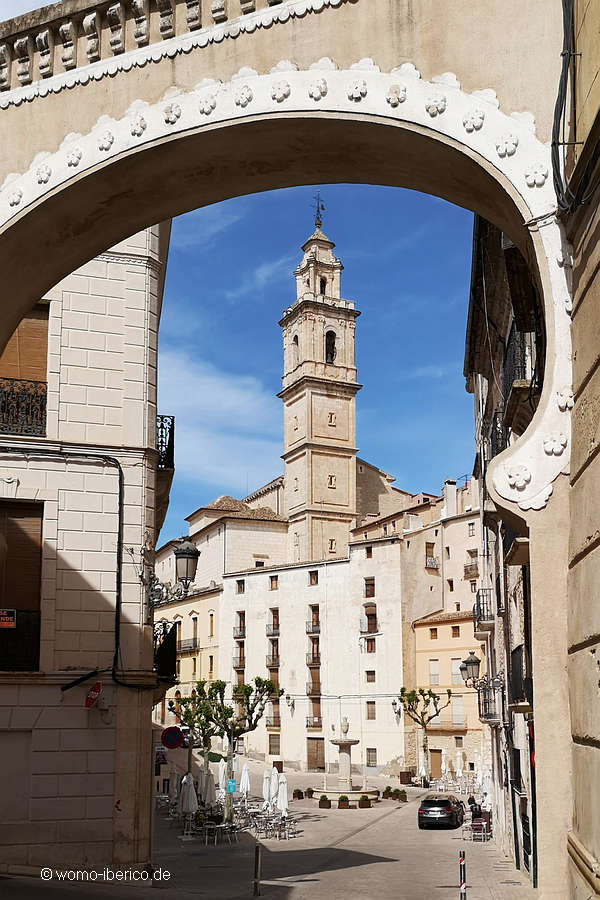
(319, 389)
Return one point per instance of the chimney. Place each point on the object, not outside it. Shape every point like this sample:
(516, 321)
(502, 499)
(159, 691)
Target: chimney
(449, 498)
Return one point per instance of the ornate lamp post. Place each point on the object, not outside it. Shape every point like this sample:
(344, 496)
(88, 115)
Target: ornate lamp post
(469, 669)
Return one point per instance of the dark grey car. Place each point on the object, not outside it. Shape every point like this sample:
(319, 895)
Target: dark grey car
(441, 809)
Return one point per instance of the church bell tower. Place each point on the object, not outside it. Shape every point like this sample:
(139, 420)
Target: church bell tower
(319, 387)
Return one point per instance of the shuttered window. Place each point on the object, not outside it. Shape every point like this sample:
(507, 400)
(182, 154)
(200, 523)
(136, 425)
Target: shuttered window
(20, 581)
(25, 355)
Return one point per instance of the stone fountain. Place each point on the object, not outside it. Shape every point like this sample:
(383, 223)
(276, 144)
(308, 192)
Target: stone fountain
(344, 745)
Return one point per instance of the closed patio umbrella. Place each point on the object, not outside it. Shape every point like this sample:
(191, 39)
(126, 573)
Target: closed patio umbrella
(245, 782)
(188, 801)
(266, 791)
(274, 787)
(459, 764)
(282, 796)
(222, 779)
(210, 794)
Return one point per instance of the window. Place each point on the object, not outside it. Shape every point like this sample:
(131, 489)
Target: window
(456, 676)
(330, 347)
(274, 582)
(295, 421)
(451, 584)
(370, 676)
(313, 578)
(371, 756)
(274, 745)
(195, 627)
(178, 668)
(370, 642)
(295, 488)
(211, 665)
(471, 529)
(434, 671)
(369, 552)
(332, 545)
(471, 767)
(385, 530)
(433, 634)
(365, 535)
(331, 481)
(259, 563)
(447, 552)
(331, 419)
(457, 606)
(458, 742)
(429, 553)
(473, 587)
(20, 580)
(455, 631)
(295, 351)
(211, 624)
(240, 586)
(369, 587)
(370, 710)
(393, 524)
(458, 712)
(194, 667)
(322, 285)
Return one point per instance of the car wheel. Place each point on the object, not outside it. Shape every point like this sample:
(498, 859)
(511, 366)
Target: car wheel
(421, 825)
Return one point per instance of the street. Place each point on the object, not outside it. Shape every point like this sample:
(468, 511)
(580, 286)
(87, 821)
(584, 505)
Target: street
(354, 854)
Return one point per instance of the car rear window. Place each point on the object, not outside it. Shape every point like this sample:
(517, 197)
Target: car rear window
(432, 802)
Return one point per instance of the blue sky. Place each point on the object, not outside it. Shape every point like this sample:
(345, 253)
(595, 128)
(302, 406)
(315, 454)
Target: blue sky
(407, 265)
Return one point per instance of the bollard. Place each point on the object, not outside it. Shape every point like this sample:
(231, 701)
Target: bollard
(463, 875)
(257, 867)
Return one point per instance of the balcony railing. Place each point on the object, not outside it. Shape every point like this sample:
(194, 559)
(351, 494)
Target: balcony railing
(273, 722)
(272, 660)
(314, 722)
(313, 628)
(272, 630)
(498, 438)
(447, 723)
(471, 571)
(165, 441)
(519, 358)
(239, 631)
(22, 407)
(187, 644)
(313, 688)
(432, 562)
(483, 610)
(239, 662)
(313, 659)
(369, 626)
(486, 699)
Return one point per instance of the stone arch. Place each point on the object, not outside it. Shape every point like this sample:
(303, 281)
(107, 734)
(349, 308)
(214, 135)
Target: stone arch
(224, 139)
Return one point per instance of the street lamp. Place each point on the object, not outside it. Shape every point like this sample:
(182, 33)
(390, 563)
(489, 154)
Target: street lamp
(469, 669)
(186, 562)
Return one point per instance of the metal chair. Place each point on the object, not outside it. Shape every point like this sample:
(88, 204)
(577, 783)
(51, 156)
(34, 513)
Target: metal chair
(210, 831)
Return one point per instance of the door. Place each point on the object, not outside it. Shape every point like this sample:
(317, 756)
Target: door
(435, 763)
(315, 754)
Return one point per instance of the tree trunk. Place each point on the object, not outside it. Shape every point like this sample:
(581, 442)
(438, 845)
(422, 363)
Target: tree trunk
(426, 753)
(190, 755)
(228, 815)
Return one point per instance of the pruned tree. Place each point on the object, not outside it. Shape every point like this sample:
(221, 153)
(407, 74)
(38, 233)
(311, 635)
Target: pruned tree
(250, 701)
(422, 706)
(194, 712)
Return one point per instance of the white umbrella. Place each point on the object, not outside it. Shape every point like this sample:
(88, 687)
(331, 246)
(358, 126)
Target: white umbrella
(266, 791)
(210, 794)
(444, 765)
(422, 769)
(282, 796)
(459, 764)
(274, 786)
(188, 801)
(222, 779)
(245, 782)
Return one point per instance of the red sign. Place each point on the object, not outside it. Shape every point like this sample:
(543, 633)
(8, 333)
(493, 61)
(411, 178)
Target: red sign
(8, 618)
(93, 694)
(172, 737)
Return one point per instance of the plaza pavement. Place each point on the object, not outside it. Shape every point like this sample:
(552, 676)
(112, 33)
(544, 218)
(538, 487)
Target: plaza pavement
(374, 854)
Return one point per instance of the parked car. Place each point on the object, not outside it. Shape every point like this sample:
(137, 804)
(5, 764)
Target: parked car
(441, 809)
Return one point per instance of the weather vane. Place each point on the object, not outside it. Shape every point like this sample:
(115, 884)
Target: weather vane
(319, 207)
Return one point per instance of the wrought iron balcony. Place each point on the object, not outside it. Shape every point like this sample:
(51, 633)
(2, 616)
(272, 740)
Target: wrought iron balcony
(432, 562)
(498, 438)
(369, 627)
(313, 628)
(165, 441)
(314, 722)
(313, 659)
(313, 688)
(488, 711)
(273, 722)
(22, 406)
(483, 611)
(239, 631)
(471, 571)
(273, 660)
(272, 630)
(239, 662)
(187, 644)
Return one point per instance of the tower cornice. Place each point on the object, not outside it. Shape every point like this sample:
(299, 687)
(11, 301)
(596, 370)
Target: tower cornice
(308, 381)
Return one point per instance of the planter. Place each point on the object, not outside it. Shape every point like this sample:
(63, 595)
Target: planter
(298, 794)
(343, 804)
(386, 795)
(402, 796)
(324, 804)
(364, 804)
(309, 793)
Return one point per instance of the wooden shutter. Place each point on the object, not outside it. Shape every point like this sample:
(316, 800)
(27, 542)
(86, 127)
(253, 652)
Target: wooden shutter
(315, 754)
(25, 356)
(20, 555)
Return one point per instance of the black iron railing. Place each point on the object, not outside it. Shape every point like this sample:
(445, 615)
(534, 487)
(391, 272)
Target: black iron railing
(313, 627)
(519, 356)
(239, 631)
(273, 722)
(483, 608)
(498, 439)
(22, 406)
(313, 688)
(313, 659)
(165, 441)
(272, 660)
(486, 699)
(272, 629)
(187, 644)
(314, 722)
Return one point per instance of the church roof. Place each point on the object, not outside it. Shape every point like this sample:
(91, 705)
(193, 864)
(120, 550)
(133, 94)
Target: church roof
(230, 508)
(317, 235)
(442, 617)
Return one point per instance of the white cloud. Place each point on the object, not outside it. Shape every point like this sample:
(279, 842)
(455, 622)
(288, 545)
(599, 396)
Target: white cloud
(432, 371)
(227, 426)
(198, 229)
(264, 274)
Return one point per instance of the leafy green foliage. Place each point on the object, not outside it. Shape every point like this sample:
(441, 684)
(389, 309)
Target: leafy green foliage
(417, 704)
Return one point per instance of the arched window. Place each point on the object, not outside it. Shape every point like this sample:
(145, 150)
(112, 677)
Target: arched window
(211, 625)
(295, 351)
(323, 286)
(330, 347)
